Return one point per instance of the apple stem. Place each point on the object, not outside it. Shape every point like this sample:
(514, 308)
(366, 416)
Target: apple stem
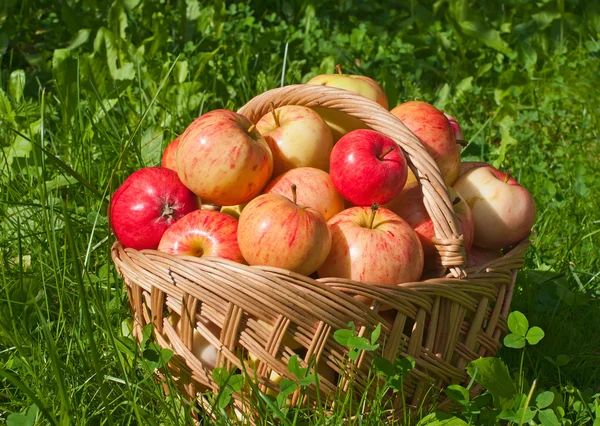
(338, 67)
(167, 212)
(374, 208)
(251, 128)
(294, 193)
(272, 107)
(462, 142)
(507, 177)
(381, 156)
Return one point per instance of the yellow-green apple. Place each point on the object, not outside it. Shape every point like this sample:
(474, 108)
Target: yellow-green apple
(368, 167)
(169, 157)
(203, 233)
(503, 211)
(409, 206)
(456, 129)
(372, 244)
(341, 123)
(201, 347)
(223, 159)
(316, 190)
(275, 231)
(149, 201)
(478, 256)
(233, 211)
(297, 136)
(434, 130)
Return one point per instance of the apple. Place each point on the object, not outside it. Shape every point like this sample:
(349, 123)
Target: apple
(147, 204)
(434, 130)
(223, 159)
(317, 190)
(477, 256)
(503, 211)
(233, 211)
(297, 136)
(465, 166)
(458, 134)
(368, 167)
(169, 157)
(201, 347)
(409, 206)
(275, 231)
(341, 123)
(373, 244)
(203, 233)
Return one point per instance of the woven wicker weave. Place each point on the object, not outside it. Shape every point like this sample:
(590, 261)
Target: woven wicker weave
(442, 323)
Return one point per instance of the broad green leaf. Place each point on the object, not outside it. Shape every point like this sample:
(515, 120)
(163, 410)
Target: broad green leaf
(383, 366)
(492, 373)
(534, 335)
(343, 335)
(16, 85)
(192, 10)
(548, 418)
(60, 181)
(405, 365)
(105, 43)
(458, 394)
(517, 323)
(286, 388)
(361, 343)
(562, 360)
(486, 35)
(465, 85)
(19, 419)
(544, 399)
(3, 42)
(151, 146)
(78, 39)
(514, 341)
(181, 71)
(442, 97)
(64, 72)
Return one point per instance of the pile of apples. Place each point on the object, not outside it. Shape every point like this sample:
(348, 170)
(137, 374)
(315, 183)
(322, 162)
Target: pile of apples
(315, 191)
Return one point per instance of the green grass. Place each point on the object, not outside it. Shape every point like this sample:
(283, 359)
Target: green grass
(92, 91)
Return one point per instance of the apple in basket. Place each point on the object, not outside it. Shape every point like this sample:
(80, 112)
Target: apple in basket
(373, 244)
(201, 347)
(297, 136)
(434, 130)
(223, 159)
(409, 206)
(147, 204)
(478, 256)
(203, 233)
(503, 211)
(169, 157)
(317, 190)
(339, 122)
(368, 167)
(276, 231)
(456, 129)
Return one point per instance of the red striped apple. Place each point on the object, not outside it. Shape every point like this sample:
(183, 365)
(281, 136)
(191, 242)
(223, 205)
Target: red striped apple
(465, 166)
(169, 157)
(478, 256)
(297, 136)
(503, 211)
(223, 159)
(203, 233)
(372, 244)
(149, 201)
(434, 130)
(317, 190)
(458, 134)
(409, 206)
(341, 123)
(368, 167)
(275, 231)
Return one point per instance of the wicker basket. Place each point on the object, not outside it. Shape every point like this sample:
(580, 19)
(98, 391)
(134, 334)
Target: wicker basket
(443, 323)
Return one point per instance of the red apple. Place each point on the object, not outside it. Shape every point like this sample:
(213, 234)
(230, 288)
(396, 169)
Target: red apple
(432, 127)
(373, 245)
(223, 159)
(203, 233)
(465, 166)
(409, 206)
(503, 211)
(458, 134)
(169, 157)
(368, 167)
(478, 256)
(275, 231)
(146, 204)
(316, 190)
(297, 136)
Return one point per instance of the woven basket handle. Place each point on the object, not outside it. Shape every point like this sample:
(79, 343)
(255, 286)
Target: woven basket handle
(435, 194)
